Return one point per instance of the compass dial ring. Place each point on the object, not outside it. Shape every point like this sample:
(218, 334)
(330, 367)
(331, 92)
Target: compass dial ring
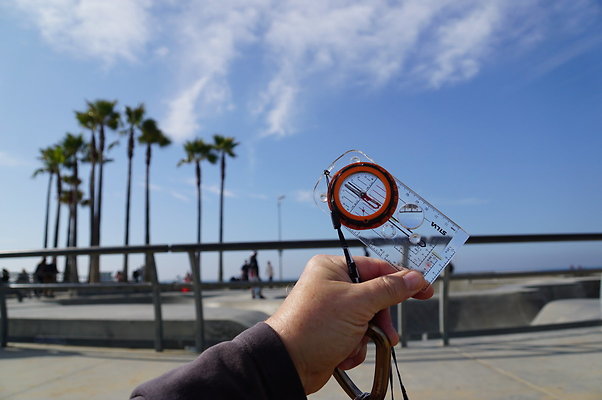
(363, 195)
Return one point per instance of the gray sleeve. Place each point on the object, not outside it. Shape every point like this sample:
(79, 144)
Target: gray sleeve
(255, 365)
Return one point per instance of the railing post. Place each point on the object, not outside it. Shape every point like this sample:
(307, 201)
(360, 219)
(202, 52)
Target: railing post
(402, 321)
(444, 306)
(402, 309)
(152, 268)
(199, 329)
(3, 317)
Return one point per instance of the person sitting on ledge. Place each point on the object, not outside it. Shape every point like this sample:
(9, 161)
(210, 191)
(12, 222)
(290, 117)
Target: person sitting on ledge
(320, 326)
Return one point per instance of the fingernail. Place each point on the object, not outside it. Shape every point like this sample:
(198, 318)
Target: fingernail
(413, 280)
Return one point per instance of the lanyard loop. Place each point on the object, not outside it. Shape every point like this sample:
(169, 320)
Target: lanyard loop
(382, 369)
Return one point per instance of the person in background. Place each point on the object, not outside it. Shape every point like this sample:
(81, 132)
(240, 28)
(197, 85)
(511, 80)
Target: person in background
(38, 275)
(119, 277)
(49, 273)
(269, 271)
(320, 326)
(244, 271)
(254, 276)
(23, 277)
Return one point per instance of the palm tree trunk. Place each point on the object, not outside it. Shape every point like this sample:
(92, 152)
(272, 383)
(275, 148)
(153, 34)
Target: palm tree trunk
(147, 265)
(74, 275)
(67, 270)
(59, 193)
(47, 210)
(198, 199)
(127, 203)
(147, 197)
(92, 188)
(98, 205)
(101, 149)
(221, 217)
(93, 276)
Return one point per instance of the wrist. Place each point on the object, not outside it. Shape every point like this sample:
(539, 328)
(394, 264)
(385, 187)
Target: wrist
(286, 334)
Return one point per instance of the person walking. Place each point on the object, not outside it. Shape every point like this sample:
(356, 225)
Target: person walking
(254, 276)
(269, 271)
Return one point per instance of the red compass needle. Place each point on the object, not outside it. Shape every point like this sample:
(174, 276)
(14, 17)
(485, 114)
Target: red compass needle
(352, 187)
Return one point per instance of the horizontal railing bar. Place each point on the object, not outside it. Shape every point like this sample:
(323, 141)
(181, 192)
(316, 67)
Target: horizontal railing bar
(82, 251)
(229, 285)
(283, 245)
(523, 274)
(132, 286)
(271, 245)
(334, 243)
(79, 286)
(248, 284)
(532, 238)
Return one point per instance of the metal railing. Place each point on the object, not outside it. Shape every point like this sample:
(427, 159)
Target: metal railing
(192, 249)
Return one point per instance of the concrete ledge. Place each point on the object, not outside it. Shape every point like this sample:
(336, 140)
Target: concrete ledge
(106, 322)
(132, 334)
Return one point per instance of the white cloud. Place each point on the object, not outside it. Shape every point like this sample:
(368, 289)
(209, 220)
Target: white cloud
(106, 29)
(162, 51)
(181, 122)
(296, 46)
(154, 187)
(7, 160)
(304, 196)
(179, 196)
(208, 37)
(216, 190)
(461, 46)
(278, 104)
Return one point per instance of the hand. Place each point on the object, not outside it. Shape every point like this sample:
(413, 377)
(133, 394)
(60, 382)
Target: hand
(323, 320)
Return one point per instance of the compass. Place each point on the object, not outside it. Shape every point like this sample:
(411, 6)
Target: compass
(363, 195)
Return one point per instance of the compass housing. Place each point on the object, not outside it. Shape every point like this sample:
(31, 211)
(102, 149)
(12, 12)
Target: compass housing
(382, 211)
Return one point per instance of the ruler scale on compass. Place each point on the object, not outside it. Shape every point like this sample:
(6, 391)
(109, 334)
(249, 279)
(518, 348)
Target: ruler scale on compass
(391, 219)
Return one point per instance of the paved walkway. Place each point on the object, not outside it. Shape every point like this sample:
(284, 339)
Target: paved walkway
(559, 365)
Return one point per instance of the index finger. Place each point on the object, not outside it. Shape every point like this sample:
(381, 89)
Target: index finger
(370, 268)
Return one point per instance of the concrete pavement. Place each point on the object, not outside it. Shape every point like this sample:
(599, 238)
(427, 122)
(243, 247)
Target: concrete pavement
(557, 365)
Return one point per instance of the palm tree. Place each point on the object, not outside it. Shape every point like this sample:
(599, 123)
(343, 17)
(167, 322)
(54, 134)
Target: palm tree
(134, 118)
(74, 150)
(100, 115)
(57, 158)
(85, 120)
(104, 116)
(225, 147)
(151, 134)
(48, 168)
(197, 151)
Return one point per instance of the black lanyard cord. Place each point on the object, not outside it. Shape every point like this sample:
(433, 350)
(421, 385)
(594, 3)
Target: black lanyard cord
(355, 278)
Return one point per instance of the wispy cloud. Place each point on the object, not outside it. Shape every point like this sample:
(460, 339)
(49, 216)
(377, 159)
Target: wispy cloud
(209, 37)
(7, 160)
(216, 190)
(304, 196)
(110, 30)
(179, 196)
(299, 45)
(154, 187)
(161, 189)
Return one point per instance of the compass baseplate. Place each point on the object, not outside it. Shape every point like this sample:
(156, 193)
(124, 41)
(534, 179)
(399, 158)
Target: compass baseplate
(416, 236)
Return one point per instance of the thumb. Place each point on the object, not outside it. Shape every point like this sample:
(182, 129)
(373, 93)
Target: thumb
(387, 290)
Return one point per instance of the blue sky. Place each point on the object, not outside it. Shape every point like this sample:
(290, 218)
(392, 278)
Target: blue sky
(492, 111)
